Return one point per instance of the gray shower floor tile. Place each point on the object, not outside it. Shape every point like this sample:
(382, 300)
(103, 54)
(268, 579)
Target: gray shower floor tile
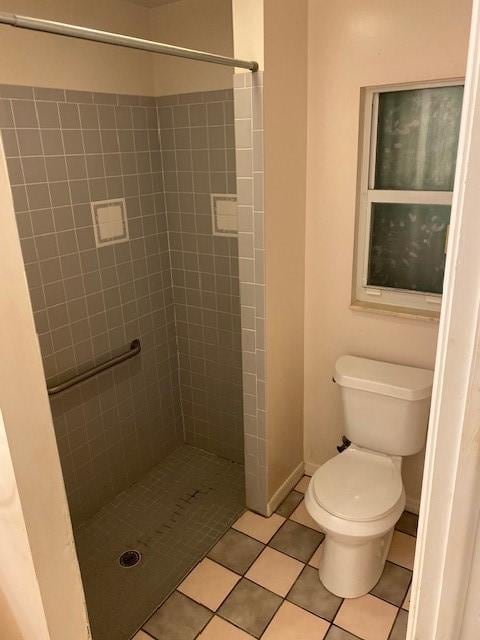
(172, 516)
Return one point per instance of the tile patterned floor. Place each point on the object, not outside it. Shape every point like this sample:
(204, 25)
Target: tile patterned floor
(261, 581)
(172, 516)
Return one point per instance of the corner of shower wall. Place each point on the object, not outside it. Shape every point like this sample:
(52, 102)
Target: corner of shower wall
(248, 104)
(198, 153)
(66, 149)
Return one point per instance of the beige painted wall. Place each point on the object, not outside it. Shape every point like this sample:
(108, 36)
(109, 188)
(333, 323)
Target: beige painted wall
(40, 59)
(195, 24)
(248, 27)
(285, 113)
(354, 44)
(33, 500)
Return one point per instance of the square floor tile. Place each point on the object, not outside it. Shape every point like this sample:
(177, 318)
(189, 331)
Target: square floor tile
(315, 559)
(399, 631)
(141, 635)
(302, 486)
(250, 607)
(290, 503)
(310, 594)
(402, 550)
(236, 551)
(393, 584)
(335, 633)
(408, 523)
(296, 540)
(406, 602)
(275, 571)
(293, 623)
(367, 617)
(302, 516)
(209, 584)
(257, 526)
(218, 629)
(179, 618)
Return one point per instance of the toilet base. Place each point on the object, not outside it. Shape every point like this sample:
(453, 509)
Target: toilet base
(352, 570)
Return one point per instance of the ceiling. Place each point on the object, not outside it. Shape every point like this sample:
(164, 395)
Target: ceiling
(152, 3)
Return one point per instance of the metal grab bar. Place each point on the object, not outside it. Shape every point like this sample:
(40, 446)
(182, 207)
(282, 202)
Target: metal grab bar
(135, 348)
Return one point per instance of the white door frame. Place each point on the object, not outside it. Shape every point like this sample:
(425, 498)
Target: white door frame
(450, 502)
(41, 594)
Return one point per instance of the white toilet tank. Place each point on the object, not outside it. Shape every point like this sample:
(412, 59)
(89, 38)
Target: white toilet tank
(385, 405)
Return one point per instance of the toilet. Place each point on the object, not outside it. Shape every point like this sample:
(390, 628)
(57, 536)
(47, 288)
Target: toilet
(357, 496)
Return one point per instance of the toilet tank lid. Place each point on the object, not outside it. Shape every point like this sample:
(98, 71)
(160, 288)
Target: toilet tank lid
(385, 378)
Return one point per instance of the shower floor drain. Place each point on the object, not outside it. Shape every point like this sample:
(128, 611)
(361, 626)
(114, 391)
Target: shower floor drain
(130, 559)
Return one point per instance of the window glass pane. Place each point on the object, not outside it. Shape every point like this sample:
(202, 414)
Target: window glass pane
(407, 246)
(417, 138)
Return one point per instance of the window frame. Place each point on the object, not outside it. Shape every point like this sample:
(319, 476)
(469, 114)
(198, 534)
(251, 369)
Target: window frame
(416, 302)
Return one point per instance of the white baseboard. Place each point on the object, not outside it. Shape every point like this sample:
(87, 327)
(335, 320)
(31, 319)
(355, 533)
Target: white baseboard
(282, 492)
(310, 468)
(412, 504)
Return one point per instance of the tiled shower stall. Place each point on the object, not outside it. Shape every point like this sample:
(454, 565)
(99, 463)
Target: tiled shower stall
(174, 284)
(192, 294)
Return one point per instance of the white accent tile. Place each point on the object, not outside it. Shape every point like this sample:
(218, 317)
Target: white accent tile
(224, 214)
(109, 221)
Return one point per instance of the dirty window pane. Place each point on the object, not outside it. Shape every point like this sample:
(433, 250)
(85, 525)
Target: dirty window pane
(407, 246)
(417, 138)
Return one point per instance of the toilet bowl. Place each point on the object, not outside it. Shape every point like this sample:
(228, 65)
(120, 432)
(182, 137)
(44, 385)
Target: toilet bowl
(357, 496)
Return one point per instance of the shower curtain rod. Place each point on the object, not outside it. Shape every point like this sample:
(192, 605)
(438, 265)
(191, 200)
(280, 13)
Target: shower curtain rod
(84, 33)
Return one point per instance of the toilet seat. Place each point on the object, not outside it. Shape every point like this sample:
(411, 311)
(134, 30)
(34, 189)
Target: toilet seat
(358, 485)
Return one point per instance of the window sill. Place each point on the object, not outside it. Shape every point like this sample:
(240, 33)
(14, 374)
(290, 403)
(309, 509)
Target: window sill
(396, 312)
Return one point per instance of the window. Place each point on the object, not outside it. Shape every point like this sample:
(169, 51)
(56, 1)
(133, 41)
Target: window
(409, 149)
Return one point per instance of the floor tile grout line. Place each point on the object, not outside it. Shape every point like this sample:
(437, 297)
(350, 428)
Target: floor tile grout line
(393, 623)
(198, 604)
(146, 633)
(229, 568)
(405, 611)
(305, 564)
(185, 576)
(225, 598)
(347, 631)
(215, 614)
(270, 619)
(399, 565)
(283, 598)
